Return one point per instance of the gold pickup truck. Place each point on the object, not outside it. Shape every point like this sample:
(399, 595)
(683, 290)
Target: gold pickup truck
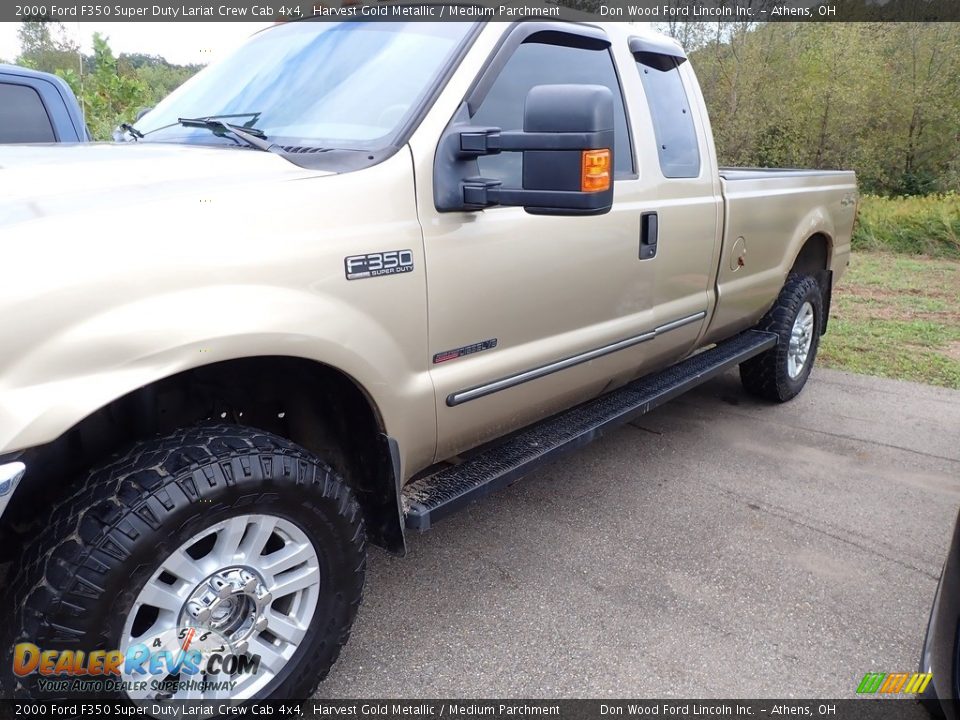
(348, 280)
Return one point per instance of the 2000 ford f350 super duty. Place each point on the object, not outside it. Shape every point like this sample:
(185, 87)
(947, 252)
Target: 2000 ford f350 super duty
(342, 283)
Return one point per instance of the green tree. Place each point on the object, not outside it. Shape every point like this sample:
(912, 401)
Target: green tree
(158, 76)
(108, 94)
(45, 46)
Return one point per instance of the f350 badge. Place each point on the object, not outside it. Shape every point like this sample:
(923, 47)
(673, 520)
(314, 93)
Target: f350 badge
(378, 264)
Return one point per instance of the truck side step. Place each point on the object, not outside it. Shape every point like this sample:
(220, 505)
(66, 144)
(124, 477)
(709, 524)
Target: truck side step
(434, 497)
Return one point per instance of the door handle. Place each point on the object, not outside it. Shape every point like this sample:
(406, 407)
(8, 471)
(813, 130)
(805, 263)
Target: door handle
(649, 231)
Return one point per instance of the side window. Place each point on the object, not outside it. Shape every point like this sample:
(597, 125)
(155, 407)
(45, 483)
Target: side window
(672, 119)
(23, 119)
(534, 63)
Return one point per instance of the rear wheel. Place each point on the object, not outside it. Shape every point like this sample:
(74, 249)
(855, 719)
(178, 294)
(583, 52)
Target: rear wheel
(780, 373)
(224, 540)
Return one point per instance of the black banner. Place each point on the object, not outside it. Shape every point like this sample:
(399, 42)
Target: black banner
(854, 709)
(488, 10)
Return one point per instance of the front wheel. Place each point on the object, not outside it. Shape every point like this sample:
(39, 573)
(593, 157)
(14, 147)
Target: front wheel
(219, 562)
(780, 373)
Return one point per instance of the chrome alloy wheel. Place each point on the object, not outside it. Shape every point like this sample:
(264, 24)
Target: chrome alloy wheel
(252, 581)
(801, 338)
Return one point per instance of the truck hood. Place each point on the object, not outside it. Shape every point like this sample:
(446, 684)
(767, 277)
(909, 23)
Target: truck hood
(38, 181)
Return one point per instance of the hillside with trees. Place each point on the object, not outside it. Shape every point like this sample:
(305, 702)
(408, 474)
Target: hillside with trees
(882, 99)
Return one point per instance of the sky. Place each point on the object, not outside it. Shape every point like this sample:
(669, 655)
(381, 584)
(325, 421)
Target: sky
(180, 43)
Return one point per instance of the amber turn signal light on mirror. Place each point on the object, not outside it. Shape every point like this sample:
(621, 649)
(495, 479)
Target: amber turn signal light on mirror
(595, 171)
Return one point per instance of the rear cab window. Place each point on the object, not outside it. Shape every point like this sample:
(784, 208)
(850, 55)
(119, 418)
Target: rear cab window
(23, 117)
(673, 126)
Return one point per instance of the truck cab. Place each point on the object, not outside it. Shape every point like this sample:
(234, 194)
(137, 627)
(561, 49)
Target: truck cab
(38, 107)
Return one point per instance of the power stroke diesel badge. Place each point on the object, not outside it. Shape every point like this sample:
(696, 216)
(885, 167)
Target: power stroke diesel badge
(391, 262)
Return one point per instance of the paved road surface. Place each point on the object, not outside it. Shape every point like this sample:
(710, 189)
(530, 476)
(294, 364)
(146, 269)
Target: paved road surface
(717, 547)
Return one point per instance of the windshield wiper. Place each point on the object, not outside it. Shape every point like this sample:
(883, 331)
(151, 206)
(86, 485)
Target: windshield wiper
(254, 116)
(128, 128)
(252, 136)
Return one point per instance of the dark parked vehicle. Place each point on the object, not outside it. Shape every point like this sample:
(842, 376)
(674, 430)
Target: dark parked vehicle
(941, 651)
(37, 107)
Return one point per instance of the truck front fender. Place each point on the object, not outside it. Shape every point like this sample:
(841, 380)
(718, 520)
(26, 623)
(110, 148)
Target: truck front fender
(50, 386)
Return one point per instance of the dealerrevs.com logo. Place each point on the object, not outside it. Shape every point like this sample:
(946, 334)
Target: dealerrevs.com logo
(172, 663)
(894, 683)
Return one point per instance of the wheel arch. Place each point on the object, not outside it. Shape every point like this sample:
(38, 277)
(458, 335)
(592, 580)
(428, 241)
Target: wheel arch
(315, 405)
(815, 254)
(814, 258)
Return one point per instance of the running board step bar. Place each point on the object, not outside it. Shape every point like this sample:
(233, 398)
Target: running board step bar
(432, 498)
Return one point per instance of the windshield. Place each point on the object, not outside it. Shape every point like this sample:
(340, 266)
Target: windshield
(317, 84)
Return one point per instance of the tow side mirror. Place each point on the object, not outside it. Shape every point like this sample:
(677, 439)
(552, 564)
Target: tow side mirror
(567, 146)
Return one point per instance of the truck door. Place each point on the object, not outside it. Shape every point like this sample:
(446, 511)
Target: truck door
(529, 314)
(679, 177)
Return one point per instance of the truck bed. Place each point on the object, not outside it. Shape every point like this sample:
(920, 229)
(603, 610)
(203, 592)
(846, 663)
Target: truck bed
(765, 212)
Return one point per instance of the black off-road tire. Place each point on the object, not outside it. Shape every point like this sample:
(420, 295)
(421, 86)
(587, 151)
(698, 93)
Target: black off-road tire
(78, 579)
(766, 375)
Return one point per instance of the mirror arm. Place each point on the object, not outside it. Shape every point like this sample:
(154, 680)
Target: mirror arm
(480, 141)
(480, 193)
(491, 141)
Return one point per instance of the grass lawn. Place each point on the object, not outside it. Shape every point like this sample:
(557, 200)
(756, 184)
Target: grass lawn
(897, 316)
(927, 225)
